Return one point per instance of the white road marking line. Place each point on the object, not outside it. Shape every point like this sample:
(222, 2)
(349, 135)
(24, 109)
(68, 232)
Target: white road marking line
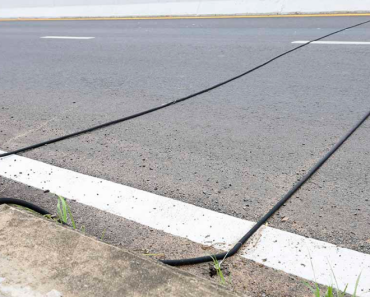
(66, 37)
(272, 247)
(334, 42)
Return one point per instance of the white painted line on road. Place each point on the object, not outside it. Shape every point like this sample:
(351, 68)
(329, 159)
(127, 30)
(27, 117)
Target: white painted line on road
(66, 37)
(334, 42)
(271, 247)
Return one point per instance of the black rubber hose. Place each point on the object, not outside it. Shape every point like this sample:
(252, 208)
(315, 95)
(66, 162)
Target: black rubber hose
(263, 220)
(30, 206)
(34, 146)
(24, 204)
(254, 229)
(268, 215)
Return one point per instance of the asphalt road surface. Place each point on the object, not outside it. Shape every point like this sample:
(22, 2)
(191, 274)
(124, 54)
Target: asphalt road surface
(235, 150)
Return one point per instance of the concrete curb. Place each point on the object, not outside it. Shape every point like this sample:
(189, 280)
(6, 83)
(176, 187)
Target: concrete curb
(41, 258)
(136, 8)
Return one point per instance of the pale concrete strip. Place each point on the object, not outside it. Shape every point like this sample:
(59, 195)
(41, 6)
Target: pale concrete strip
(274, 248)
(39, 258)
(247, 16)
(122, 8)
(66, 37)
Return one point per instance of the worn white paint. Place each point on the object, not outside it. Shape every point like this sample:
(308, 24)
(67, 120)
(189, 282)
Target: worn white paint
(116, 8)
(66, 37)
(334, 42)
(271, 247)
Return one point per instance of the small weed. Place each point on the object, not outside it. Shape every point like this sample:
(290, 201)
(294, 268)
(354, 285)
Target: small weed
(64, 212)
(102, 236)
(83, 229)
(218, 270)
(48, 216)
(332, 292)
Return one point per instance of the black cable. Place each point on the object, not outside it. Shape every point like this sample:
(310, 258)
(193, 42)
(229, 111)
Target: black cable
(264, 219)
(30, 206)
(254, 229)
(260, 222)
(24, 204)
(31, 147)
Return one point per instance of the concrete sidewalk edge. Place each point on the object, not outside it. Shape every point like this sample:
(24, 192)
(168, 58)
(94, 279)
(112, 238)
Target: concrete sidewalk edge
(41, 258)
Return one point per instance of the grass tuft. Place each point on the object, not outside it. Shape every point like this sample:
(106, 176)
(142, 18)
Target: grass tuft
(218, 270)
(83, 229)
(102, 236)
(64, 212)
(332, 291)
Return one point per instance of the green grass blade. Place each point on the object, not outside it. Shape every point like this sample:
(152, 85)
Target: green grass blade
(330, 292)
(342, 294)
(339, 293)
(64, 209)
(317, 291)
(64, 212)
(102, 236)
(356, 286)
(59, 211)
(221, 275)
(313, 269)
(309, 287)
(71, 216)
(218, 270)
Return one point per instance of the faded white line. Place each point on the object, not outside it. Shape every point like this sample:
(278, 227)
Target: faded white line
(66, 37)
(272, 247)
(334, 42)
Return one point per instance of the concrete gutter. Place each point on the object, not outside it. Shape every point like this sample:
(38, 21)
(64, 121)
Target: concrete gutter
(41, 258)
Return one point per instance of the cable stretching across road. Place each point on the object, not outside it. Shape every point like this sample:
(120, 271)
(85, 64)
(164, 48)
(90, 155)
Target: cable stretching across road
(269, 214)
(139, 114)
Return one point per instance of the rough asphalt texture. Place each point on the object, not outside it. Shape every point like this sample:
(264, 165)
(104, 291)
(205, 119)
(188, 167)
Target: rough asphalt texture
(235, 150)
